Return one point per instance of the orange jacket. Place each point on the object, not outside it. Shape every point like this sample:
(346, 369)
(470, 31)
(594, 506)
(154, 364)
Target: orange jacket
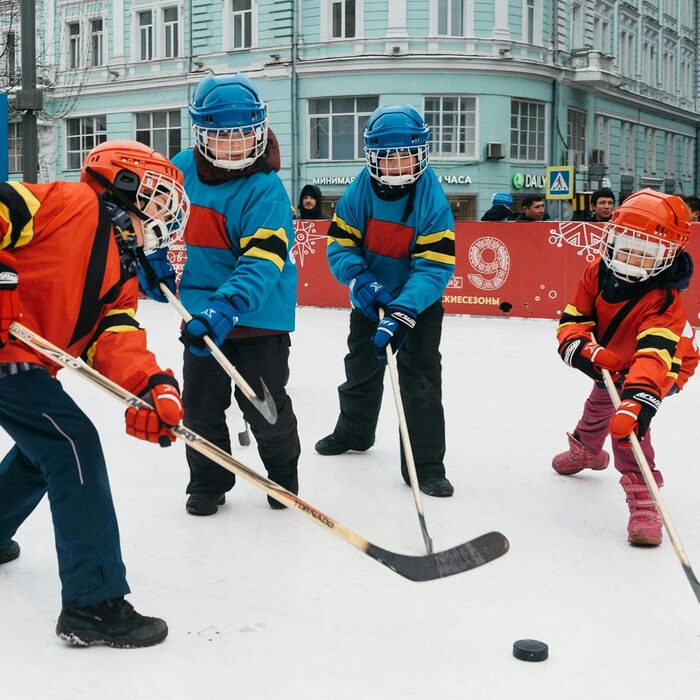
(70, 280)
(656, 345)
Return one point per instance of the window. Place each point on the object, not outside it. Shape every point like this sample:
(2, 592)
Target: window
(336, 125)
(10, 55)
(450, 14)
(576, 131)
(602, 134)
(74, 45)
(626, 60)
(452, 122)
(669, 62)
(527, 130)
(343, 19)
(96, 42)
(83, 134)
(14, 147)
(171, 30)
(627, 147)
(160, 130)
(601, 34)
(577, 26)
(649, 67)
(649, 151)
(145, 41)
(687, 160)
(241, 24)
(530, 21)
(670, 155)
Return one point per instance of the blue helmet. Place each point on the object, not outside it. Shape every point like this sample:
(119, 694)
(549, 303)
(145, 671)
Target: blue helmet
(396, 145)
(229, 121)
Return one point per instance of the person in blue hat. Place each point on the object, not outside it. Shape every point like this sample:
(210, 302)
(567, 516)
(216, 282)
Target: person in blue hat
(501, 208)
(239, 284)
(392, 242)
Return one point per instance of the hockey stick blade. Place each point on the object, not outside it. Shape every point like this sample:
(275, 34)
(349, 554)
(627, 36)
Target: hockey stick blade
(464, 557)
(694, 584)
(266, 406)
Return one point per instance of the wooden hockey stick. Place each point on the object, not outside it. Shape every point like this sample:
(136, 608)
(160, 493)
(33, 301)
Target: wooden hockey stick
(266, 406)
(655, 493)
(406, 441)
(468, 555)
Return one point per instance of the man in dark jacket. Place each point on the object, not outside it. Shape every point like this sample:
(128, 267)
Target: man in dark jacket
(533, 209)
(501, 208)
(310, 203)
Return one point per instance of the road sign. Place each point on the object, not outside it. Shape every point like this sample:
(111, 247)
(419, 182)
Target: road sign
(560, 182)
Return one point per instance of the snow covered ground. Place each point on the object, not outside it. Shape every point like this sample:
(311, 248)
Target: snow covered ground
(264, 604)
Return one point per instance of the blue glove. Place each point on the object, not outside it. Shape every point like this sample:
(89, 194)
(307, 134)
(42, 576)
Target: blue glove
(216, 321)
(154, 269)
(393, 328)
(369, 294)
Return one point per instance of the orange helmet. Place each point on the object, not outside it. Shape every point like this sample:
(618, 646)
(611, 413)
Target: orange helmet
(645, 234)
(144, 182)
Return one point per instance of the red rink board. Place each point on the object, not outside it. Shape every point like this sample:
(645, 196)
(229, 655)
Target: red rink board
(534, 267)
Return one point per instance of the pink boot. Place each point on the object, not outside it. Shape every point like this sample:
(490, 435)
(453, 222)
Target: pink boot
(644, 527)
(577, 457)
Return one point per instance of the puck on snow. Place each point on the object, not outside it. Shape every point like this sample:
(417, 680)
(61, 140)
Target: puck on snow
(530, 650)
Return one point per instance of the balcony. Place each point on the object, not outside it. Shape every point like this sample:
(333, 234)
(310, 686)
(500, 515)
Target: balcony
(594, 68)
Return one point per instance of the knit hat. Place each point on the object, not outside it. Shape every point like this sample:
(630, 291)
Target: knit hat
(502, 198)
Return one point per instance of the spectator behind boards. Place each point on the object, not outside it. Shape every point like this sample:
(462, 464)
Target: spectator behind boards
(532, 209)
(602, 206)
(310, 203)
(501, 208)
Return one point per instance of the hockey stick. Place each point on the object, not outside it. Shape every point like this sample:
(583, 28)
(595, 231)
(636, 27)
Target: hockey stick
(406, 440)
(265, 406)
(468, 555)
(655, 493)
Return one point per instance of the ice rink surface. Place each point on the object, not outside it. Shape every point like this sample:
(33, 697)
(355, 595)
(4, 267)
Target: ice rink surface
(265, 604)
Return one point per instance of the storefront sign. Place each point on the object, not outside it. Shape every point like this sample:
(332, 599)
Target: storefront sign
(521, 180)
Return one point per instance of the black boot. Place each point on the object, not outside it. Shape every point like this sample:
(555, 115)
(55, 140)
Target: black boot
(436, 486)
(204, 503)
(9, 553)
(291, 484)
(113, 623)
(330, 445)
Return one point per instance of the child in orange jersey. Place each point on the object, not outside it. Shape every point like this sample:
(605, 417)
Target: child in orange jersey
(629, 301)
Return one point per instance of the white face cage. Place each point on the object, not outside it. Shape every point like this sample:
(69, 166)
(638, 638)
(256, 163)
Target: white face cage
(397, 167)
(166, 206)
(634, 256)
(232, 148)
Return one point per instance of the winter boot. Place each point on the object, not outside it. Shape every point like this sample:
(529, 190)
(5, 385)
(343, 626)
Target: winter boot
(291, 484)
(113, 623)
(330, 445)
(644, 528)
(204, 503)
(438, 486)
(9, 553)
(577, 457)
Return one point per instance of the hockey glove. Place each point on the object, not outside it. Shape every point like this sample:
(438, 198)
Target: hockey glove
(368, 294)
(637, 408)
(152, 424)
(10, 305)
(154, 270)
(216, 321)
(589, 357)
(392, 329)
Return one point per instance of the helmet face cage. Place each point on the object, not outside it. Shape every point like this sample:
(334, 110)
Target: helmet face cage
(234, 147)
(635, 256)
(165, 209)
(397, 166)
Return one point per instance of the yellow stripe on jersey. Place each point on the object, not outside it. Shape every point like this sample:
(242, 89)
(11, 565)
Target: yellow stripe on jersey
(438, 247)
(266, 244)
(342, 233)
(18, 206)
(573, 316)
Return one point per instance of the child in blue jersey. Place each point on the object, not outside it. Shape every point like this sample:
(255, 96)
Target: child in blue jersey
(392, 242)
(239, 283)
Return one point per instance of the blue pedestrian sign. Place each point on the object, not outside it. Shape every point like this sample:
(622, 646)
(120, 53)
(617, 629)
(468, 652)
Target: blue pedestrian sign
(560, 182)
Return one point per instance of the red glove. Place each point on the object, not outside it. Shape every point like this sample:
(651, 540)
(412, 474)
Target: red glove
(636, 409)
(10, 305)
(589, 357)
(152, 423)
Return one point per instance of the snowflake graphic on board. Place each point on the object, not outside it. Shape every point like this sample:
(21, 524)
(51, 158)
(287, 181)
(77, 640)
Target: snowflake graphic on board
(584, 235)
(305, 239)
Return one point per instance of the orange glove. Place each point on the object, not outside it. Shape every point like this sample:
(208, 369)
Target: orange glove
(152, 424)
(589, 357)
(10, 304)
(636, 409)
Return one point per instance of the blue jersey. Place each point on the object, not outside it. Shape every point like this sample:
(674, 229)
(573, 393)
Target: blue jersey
(238, 239)
(408, 244)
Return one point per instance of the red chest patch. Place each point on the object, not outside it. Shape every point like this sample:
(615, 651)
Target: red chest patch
(388, 238)
(206, 228)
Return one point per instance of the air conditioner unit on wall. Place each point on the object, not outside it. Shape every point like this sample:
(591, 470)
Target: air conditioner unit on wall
(576, 158)
(495, 151)
(598, 156)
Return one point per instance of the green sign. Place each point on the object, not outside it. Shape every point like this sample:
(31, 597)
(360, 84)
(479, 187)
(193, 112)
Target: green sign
(518, 181)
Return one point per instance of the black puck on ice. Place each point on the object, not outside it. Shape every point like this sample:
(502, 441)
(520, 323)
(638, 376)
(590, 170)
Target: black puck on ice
(530, 650)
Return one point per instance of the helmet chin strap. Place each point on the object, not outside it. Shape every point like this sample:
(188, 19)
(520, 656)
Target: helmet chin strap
(116, 193)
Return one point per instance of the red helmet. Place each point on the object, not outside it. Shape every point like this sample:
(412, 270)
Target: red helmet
(645, 234)
(143, 181)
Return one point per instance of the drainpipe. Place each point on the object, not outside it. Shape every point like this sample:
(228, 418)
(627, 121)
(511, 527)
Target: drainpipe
(296, 8)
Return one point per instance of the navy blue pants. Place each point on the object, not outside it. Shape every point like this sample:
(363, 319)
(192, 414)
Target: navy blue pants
(57, 451)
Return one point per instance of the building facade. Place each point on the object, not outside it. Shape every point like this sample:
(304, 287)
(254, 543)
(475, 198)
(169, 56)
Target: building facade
(508, 86)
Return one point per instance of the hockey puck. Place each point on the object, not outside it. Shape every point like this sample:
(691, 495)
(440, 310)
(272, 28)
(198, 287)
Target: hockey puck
(530, 650)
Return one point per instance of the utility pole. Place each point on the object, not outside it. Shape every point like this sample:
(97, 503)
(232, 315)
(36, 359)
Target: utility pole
(28, 99)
